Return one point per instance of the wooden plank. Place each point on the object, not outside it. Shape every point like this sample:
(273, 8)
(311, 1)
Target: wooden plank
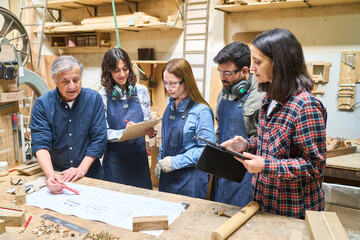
(341, 151)
(324, 225)
(350, 162)
(349, 217)
(150, 223)
(12, 218)
(29, 169)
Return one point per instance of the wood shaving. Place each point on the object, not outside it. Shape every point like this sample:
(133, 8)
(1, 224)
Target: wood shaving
(100, 236)
(53, 229)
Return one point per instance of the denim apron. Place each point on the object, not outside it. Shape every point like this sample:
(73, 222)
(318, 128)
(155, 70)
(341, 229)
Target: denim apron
(126, 162)
(185, 181)
(231, 124)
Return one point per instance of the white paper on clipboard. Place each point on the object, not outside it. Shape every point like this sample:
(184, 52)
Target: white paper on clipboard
(138, 129)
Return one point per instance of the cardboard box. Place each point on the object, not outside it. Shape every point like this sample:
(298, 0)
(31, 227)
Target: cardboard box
(11, 96)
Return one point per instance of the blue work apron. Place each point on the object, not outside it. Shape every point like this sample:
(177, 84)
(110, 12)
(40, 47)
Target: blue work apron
(126, 162)
(231, 124)
(185, 181)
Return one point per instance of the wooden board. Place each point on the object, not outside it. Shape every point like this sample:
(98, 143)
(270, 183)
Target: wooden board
(29, 169)
(150, 223)
(324, 225)
(349, 162)
(349, 217)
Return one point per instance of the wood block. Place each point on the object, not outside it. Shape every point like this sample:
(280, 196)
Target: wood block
(20, 199)
(341, 151)
(2, 226)
(150, 223)
(20, 190)
(324, 225)
(12, 218)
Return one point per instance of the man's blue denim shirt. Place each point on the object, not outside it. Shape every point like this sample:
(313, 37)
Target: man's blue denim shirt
(70, 134)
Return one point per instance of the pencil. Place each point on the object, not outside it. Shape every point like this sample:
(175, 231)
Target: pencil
(126, 121)
(26, 224)
(70, 189)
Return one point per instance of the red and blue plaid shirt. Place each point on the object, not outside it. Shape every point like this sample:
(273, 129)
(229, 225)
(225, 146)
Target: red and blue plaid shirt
(291, 139)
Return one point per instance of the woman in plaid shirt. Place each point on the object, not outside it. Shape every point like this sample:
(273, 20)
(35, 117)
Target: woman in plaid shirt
(290, 146)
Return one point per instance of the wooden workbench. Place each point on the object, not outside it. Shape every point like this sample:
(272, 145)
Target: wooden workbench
(343, 169)
(197, 222)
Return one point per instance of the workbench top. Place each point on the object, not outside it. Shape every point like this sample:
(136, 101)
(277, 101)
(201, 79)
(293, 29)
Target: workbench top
(348, 161)
(197, 222)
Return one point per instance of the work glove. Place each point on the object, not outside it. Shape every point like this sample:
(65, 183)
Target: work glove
(157, 170)
(165, 164)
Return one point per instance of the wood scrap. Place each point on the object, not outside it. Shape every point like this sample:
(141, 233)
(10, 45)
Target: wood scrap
(50, 228)
(324, 225)
(29, 169)
(2, 226)
(150, 223)
(20, 194)
(341, 151)
(103, 235)
(12, 218)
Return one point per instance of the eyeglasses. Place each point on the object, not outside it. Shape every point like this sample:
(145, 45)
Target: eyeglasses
(228, 73)
(172, 85)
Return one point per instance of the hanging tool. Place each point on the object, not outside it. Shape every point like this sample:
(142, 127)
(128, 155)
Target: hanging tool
(14, 123)
(152, 81)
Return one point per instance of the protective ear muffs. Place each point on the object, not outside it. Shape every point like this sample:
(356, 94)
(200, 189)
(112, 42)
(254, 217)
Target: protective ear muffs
(240, 88)
(118, 93)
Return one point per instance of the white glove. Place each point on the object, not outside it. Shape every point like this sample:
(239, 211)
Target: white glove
(165, 164)
(157, 170)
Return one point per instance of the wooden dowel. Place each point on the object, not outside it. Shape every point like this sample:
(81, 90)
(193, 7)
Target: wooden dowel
(231, 225)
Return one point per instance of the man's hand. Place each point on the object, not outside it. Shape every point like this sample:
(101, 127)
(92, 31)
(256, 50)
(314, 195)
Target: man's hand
(151, 132)
(53, 183)
(72, 174)
(254, 165)
(237, 144)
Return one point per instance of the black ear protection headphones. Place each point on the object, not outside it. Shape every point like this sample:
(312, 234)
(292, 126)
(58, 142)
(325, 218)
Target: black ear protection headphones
(118, 92)
(239, 88)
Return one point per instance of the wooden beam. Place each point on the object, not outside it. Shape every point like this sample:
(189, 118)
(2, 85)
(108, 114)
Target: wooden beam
(324, 225)
(150, 223)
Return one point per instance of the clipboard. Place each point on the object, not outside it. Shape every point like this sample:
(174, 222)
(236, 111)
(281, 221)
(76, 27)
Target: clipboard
(138, 129)
(218, 160)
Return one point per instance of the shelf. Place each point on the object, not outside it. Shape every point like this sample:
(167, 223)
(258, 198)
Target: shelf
(68, 4)
(149, 62)
(278, 5)
(111, 28)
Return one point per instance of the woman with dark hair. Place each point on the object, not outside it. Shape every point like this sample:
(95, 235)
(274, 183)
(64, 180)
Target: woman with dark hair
(290, 146)
(126, 103)
(187, 115)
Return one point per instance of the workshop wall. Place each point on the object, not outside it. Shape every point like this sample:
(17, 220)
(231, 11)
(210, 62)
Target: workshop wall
(324, 32)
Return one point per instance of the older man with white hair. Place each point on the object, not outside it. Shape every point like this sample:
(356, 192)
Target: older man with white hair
(68, 127)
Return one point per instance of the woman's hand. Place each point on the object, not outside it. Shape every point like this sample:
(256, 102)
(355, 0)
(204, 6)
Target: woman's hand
(237, 144)
(151, 132)
(254, 165)
(129, 124)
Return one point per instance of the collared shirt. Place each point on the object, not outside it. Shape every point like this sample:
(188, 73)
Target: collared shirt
(291, 139)
(69, 134)
(143, 96)
(199, 123)
(251, 108)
